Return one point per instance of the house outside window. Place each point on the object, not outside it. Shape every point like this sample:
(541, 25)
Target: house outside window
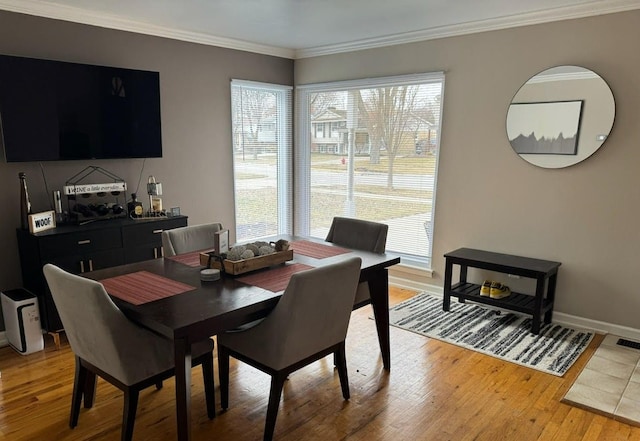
(378, 160)
(262, 152)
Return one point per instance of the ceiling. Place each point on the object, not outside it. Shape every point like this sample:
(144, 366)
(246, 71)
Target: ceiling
(304, 28)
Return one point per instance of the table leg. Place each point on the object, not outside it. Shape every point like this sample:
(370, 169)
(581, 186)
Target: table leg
(537, 308)
(551, 297)
(182, 356)
(463, 279)
(379, 291)
(446, 298)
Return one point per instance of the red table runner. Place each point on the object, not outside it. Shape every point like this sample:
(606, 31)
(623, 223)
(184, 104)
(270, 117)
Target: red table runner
(190, 259)
(316, 250)
(143, 287)
(274, 280)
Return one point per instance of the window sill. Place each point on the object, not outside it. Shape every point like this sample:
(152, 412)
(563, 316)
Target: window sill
(410, 277)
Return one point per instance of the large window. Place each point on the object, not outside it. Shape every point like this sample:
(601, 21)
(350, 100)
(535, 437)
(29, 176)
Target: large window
(261, 125)
(378, 162)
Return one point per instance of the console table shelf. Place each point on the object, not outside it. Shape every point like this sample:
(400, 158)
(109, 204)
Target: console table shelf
(539, 305)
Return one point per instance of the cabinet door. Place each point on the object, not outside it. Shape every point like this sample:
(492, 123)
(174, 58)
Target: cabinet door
(144, 241)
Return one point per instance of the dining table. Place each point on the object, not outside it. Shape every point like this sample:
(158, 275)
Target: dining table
(167, 296)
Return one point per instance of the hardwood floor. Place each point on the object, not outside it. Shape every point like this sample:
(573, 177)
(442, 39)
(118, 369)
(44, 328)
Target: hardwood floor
(435, 391)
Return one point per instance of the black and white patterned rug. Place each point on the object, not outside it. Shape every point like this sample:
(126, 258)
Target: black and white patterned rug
(501, 334)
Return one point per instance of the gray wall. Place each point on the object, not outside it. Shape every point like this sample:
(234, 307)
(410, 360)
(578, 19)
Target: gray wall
(196, 168)
(585, 216)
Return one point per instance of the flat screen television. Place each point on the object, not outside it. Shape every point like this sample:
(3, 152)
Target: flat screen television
(53, 110)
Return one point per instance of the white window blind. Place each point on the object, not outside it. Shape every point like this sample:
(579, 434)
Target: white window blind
(369, 149)
(262, 164)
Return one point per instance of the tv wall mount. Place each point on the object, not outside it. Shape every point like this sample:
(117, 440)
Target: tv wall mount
(95, 194)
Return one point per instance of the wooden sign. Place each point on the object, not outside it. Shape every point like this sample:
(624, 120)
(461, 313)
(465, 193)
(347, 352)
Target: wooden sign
(221, 242)
(42, 221)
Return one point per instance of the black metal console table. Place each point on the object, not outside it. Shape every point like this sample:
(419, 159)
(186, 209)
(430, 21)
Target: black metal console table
(538, 305)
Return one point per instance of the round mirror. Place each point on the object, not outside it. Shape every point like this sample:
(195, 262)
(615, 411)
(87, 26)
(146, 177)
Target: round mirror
(560, 117)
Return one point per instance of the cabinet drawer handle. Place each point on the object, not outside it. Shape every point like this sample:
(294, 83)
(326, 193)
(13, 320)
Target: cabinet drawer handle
(82, 266)
(90, 264)
(157, 231)
(84, 242)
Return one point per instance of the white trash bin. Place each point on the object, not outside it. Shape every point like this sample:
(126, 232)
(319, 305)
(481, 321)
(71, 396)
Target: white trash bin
(22, 321)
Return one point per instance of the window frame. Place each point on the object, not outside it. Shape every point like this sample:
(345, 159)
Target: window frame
(284, 168)
(302, 165)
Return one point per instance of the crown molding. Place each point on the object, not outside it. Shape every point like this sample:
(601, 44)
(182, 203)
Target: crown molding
(83, 16)
(594, 8)
(565, 76)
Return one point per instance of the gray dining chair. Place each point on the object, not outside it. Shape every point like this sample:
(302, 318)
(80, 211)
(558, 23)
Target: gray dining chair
(190, 238)
(107, 344)
(309, 322)
(360, 235)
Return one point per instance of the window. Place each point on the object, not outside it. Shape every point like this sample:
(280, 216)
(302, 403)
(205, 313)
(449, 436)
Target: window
(383, 165)
(261, 128)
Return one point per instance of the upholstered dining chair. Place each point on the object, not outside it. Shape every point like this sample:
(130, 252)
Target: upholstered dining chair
(309, 322)
(107, 344)
(360, 235)
(190, 238)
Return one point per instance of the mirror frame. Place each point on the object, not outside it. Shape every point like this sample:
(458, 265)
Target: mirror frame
(555, 102)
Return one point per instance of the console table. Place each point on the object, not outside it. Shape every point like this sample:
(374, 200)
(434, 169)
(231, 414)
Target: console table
(82, 248)
(538, 305)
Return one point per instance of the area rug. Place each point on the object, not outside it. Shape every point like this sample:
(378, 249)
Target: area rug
(501, 334)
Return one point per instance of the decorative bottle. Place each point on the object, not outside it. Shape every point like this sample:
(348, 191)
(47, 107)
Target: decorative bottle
(135, 207)
(25, 204)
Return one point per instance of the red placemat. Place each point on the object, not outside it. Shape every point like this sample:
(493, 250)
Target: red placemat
(316, 250)
(274, 280)
(143, 287)
(190, 259)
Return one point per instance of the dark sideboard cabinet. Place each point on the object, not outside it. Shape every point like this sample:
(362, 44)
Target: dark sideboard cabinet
(83, 248)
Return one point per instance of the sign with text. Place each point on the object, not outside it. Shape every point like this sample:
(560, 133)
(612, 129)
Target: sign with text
(42, 221)
(94, 188)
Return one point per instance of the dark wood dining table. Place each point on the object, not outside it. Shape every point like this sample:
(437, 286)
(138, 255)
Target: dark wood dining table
(214, 307)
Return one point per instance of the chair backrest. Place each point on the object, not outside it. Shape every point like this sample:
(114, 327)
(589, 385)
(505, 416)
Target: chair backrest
(101, 334)
(190, 238)
(358, 234)
(312, 314)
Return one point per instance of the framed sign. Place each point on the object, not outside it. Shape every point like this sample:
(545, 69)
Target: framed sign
(221, 242)
(42, 221)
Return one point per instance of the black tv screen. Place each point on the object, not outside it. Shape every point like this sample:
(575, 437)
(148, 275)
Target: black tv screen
(53, 110)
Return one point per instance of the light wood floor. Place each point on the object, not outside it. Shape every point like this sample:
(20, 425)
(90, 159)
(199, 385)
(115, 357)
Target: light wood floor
(435, 391)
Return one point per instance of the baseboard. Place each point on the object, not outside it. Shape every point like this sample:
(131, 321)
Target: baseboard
(558, 317)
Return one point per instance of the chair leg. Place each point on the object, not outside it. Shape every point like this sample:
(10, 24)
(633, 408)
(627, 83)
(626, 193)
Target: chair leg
(277, 383)
(79, 383)
(91, 382)
(209, 385)
(223, 372)
(158, 384)
(341, 364)
(129, 413)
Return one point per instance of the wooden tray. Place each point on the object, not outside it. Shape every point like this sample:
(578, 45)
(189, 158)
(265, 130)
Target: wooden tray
(236, 267)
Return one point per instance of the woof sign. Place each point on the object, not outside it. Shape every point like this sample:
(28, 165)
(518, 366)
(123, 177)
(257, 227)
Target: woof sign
(42, 221)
